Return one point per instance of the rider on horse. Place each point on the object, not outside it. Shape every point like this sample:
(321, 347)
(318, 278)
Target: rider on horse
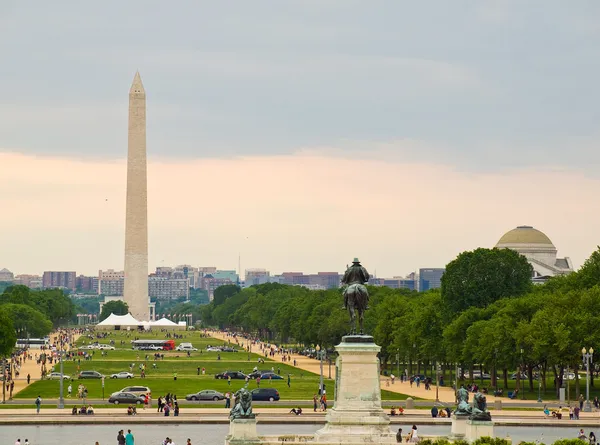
(355, 274)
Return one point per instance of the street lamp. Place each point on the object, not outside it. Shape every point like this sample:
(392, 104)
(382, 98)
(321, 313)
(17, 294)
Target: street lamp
(587, 358)
(437, 381)
(318, 349)
(539, 385)
(61, 400)
(521, 384)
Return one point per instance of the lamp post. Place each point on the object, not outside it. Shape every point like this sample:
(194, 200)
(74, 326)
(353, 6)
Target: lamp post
(587, 359)
(521, 375)
(61, 400)
(318, 349)
(437, 382)
(539, 386)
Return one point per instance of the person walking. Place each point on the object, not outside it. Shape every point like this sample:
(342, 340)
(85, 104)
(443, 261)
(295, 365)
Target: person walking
(38, 404)
(399, 435)
(129, 439)
(120, 438)
(29, 379)
(581, 400)
(69, 390)
(315, 403)
(289, 381)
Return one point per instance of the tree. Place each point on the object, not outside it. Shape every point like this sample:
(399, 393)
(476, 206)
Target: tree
(224, 292)
(116, 307)
(480, 277)
(28, 320)
(8, 334)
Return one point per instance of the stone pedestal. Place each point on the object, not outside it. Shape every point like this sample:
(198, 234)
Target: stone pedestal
(476, 429)
(357, 415)
(241, 432)
(459, 427)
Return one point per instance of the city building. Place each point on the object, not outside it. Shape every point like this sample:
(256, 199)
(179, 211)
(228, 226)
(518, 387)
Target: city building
(210, 281)
(111, 282)
(256, 276)
(188, 272)
(87, 284)
(31, 281)
(539, 251)
(163, 288)
(62, 280)
(6, 275)
(430, 278)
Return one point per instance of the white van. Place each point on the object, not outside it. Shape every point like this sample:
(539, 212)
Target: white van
(185, 347)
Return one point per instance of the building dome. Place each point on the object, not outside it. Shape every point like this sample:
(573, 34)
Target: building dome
(524, 235)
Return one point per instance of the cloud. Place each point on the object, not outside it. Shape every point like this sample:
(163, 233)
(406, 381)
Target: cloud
(296, 212)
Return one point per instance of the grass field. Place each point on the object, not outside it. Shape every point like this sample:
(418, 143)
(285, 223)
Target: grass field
(160, 380)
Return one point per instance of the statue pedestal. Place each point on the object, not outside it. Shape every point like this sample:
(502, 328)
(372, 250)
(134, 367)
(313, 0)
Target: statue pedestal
(242, 431)
(357, 416)
(476, 429)
(459, 427)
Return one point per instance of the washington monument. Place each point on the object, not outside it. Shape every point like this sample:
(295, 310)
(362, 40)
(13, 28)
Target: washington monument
(135, 291)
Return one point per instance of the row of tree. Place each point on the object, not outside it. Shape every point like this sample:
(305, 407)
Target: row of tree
(487, 312)
(34, 313)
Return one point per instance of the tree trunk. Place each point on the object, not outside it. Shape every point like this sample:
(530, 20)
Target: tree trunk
(505, 372)
(530, 376)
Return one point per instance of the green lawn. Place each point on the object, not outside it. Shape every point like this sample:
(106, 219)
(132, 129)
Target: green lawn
(160, 380)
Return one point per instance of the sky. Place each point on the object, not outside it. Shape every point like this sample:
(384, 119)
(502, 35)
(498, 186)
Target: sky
(298, 134)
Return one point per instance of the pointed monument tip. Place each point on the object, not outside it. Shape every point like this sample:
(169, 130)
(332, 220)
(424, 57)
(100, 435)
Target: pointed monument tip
(137, 86)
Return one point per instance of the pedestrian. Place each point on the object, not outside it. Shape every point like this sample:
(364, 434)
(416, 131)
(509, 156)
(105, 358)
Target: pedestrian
(69, 389)
(29, 379)
(27, 441)
(129, 438)
(581, 400)
(229, 380)
(38, 404)
(120, 438)
(189, 441)
(198, 370)
(315, 403)
(413, 436)
(289, 381)
(18, 442)
(399, 435)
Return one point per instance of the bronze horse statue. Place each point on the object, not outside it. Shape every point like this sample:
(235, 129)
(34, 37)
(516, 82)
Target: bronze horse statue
(356, 297)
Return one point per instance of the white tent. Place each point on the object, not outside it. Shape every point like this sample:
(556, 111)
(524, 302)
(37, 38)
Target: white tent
(163, 322)
(120, 320)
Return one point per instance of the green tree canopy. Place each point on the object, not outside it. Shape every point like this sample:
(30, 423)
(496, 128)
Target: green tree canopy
(8, 335)
(116, 307)
(28, 320)
(57, 306)
(224, 292)
(480, 277)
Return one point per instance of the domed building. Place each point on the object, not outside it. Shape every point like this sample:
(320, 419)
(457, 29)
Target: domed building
(539, 251)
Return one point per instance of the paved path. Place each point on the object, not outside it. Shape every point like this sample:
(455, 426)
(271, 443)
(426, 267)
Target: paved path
(446, 394)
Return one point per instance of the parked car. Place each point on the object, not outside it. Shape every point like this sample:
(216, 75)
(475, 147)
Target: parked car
(185, 347)
(213, 349)
(233, 374)
(265, 394)
(90, 375)
(57, 375)
(522, 377)
(270, 375)
(137, 390)
(228, 349)
(259, 373)
(105, 347)
(206, 394)
(126, 397)
(122, 375)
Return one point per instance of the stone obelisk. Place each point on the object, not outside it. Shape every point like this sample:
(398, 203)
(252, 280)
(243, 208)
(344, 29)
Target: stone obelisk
(136, 223)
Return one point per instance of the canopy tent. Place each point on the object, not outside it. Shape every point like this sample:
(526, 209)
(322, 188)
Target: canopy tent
(120, 320)
(163, 322)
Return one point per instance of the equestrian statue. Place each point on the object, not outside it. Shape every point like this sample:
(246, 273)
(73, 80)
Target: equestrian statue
(356, 296)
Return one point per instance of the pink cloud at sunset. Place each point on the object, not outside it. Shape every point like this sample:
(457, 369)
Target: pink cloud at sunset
(285, 213)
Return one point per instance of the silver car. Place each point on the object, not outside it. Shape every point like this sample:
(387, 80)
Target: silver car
(206, 394)
(57, 376)
(122, 375)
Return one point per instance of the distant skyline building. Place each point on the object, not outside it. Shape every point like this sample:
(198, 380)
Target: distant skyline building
(539, 251)
(31, 281)
(87, 284)
(163, 288)
(111, 282)
(256, 276)
(6, 275)
(63, 280)
(135, 290)
(430, 278)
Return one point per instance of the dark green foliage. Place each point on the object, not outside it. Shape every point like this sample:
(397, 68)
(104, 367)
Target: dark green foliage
(27, 320)
(222, 293)
(116, 307)
(8, 335)
(483, 276)
(53, 303)
(491, 441)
